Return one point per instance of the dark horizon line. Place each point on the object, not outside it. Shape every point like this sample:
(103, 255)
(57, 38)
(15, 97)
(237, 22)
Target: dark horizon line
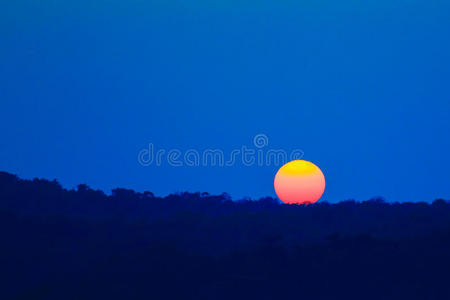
(225, 195)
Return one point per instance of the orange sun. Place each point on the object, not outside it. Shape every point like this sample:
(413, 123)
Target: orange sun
(299, 182)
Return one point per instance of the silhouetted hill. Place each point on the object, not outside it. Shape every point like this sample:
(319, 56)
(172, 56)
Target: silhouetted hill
(84, 244)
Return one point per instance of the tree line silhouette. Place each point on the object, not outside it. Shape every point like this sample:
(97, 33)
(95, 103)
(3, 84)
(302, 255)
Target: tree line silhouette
(83, 244)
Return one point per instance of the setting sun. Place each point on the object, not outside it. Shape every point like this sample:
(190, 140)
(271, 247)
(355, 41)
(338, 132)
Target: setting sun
(299, 182)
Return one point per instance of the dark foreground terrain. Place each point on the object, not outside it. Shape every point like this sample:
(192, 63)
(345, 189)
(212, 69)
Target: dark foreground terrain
(83, 244)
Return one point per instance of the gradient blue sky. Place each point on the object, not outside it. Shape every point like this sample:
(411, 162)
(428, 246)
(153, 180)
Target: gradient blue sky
(362, 87)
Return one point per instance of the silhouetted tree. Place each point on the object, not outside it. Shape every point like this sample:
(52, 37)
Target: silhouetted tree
(84, 244)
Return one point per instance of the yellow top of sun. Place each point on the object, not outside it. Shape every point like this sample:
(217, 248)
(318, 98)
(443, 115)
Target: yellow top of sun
(299, 167)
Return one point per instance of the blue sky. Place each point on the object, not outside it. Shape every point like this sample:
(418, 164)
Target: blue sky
(362, 87)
